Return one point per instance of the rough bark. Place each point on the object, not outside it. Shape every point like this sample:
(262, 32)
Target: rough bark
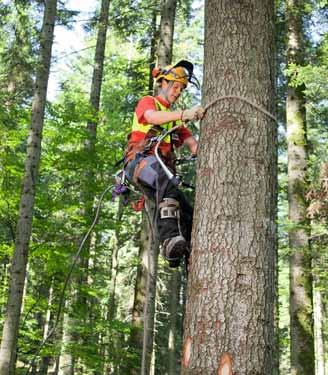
(229, 323)
(25, 216)
(301, 319)
(166, 31)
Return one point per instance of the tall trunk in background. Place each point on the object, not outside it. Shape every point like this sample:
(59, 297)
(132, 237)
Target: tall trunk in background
(153, 47)
(66, 360)
(140, 292)
(113, 339)
(318, 331)
(98, 68)
(25, 216)
(164, 57)
(87, 193)
(45, 361)
(166, 32)
(301, 314)
(151, 262)
(136, 337)
(229, 323)
(174, 294)
(18, 79)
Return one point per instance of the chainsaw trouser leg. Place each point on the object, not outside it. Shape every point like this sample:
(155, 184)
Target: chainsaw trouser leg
(148, 175)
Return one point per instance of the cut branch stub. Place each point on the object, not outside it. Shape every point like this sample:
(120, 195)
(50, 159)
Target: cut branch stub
(225, 367)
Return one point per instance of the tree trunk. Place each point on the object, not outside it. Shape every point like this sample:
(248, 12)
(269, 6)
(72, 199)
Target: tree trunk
(114, 266)
(164, 56)
(25, 216)
(318, 330)
(174, 293)
(136, 337)
(4, 284)
(153, 45)
(80, 279)
(45, 361)
(66, 360)
(149, 307)
(166, 31)
(301, 318)
(139, 300)
(229, 323)
(98, 68)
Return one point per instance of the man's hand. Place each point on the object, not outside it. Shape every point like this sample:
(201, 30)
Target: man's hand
(193, 114)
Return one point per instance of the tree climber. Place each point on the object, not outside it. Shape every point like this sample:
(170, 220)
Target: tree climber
(153, 116)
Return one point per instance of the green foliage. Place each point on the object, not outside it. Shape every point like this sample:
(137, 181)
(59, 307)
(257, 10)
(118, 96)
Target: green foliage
(59, 224)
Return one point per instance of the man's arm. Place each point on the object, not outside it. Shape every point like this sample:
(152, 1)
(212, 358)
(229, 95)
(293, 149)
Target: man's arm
(161, 117)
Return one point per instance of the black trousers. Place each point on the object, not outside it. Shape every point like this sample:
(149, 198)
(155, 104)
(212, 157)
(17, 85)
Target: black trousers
(155, 184)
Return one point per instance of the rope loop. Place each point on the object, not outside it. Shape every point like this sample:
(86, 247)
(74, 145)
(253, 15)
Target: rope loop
(259, 108)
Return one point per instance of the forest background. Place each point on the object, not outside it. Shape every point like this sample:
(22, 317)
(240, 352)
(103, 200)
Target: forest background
(95, 326)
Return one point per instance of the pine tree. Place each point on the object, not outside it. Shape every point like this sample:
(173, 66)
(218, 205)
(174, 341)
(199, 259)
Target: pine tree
(164, 58)
(301, 309)
(24, 225)
(229, 323)
(87, 191)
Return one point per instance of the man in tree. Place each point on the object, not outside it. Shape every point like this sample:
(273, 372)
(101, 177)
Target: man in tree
(153, 175)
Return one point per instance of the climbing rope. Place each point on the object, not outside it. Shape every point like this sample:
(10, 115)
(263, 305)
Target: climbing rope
(241, 98)
(169, 174)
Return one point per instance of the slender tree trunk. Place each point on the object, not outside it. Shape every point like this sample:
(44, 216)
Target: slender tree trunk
(166, 32)
(149, 307)
(164, 57)
(24, 225)
(139, 302)
(153, 47)
(4, 285)
(301, 318)
(45, 361)
(98, 69)
(66, 360)
(114, 268)
(318, 330)
(112, 337)
(174, 293)
(229, 323)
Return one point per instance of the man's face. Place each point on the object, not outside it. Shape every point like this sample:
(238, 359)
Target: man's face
(173, 90)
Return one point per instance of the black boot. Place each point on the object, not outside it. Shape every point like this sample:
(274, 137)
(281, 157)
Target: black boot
(174, 249)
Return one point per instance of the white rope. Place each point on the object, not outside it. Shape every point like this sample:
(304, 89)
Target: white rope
(259, 108)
